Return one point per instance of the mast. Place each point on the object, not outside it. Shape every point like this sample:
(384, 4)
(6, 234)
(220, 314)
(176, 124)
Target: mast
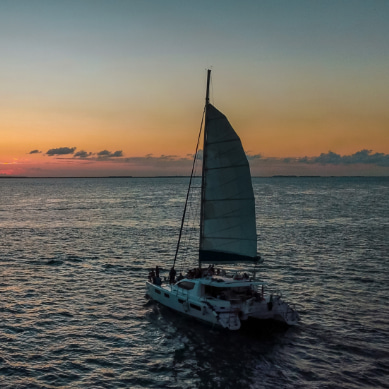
(208, 80)
(203, 183)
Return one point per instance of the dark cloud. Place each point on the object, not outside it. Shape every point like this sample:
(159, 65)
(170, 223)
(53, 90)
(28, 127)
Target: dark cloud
(191, 156)
(108, 154)
(302, 160)
(34, 152)
(330, 157)
(168, 157)
(255, 156)
(360, 157)
(104, 153)
(61, 151)
(82, 154)
(367, 156)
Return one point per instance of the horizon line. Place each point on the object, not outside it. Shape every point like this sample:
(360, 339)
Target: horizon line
(187, 176)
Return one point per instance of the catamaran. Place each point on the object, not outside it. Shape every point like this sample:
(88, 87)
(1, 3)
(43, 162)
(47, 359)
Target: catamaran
(227, 236)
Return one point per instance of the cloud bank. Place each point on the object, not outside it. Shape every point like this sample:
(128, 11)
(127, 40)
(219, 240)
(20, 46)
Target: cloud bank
(82, 154)
(70, 162)
(360, 157)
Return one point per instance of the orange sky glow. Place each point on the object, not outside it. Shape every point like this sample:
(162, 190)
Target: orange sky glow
(101, 88)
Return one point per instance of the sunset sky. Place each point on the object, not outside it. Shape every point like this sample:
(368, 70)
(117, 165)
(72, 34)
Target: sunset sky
(99, 87)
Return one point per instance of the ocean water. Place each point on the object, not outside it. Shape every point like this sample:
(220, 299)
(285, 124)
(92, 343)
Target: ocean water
(75, 254)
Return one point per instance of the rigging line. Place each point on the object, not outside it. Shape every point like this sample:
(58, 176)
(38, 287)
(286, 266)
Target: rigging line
(190, 228)
(190, 182)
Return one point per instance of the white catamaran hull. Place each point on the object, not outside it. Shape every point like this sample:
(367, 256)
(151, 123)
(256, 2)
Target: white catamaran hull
(227, 314)
(192, 307)
(279, 311)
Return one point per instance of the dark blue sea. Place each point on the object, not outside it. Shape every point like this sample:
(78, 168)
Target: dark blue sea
(74, 258)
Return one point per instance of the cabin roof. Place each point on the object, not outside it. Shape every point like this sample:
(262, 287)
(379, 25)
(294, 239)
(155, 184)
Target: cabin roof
(224, 282)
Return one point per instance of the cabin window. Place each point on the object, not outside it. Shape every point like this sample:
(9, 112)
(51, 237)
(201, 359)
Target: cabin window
(186, 285)
(195, 307)
(242, 290)
(157, 291)
(166, 295)
(228, 293)
(214, 291)
(181, 301)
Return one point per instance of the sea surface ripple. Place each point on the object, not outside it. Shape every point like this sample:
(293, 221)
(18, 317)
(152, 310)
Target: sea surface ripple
(74, 257)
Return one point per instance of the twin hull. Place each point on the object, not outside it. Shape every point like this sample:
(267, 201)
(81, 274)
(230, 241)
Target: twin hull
(220, 312)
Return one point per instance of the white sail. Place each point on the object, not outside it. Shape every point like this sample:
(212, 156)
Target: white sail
(228, 231)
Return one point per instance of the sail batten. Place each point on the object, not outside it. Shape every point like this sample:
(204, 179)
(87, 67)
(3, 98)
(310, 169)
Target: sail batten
(224, 141)
(223, 257)
(231, 199)
(222, 167)
(228, 207)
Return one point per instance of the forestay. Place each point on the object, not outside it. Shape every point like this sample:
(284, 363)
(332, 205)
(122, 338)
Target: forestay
(228, 231)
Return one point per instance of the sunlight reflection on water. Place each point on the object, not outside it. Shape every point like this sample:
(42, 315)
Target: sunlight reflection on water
(74, 258)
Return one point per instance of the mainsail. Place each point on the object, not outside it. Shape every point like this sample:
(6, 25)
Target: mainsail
(228, 226)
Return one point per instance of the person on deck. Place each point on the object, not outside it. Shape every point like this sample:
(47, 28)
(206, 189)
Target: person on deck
(152, 275)
(211, 270)
(172, 275)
